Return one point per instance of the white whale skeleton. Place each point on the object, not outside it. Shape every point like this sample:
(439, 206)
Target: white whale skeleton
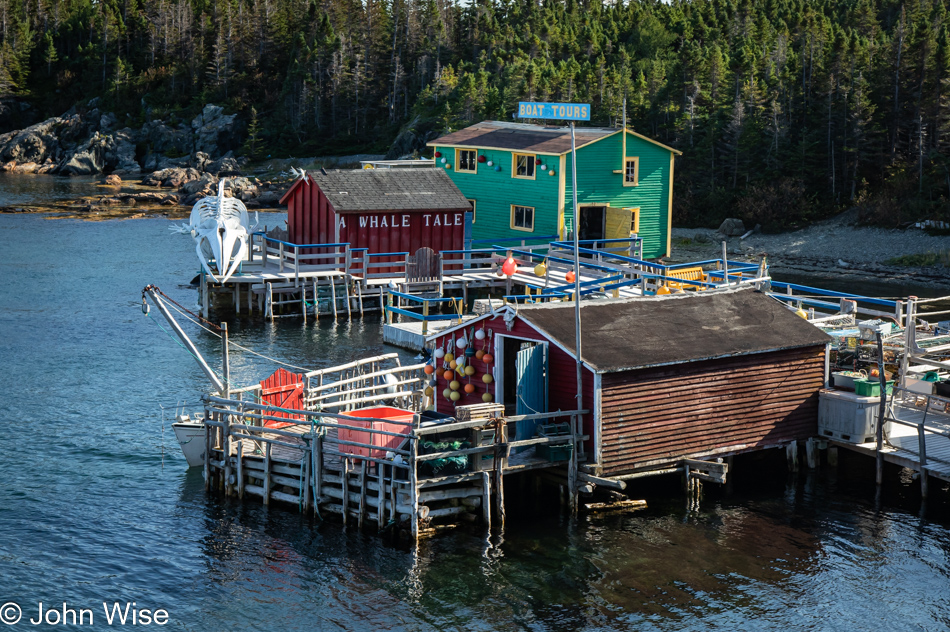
(221, 230)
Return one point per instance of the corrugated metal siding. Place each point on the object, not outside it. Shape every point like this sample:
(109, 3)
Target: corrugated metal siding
(562, 381)
(653, 416)
(495, 191)
(598, 184)
(312, 220)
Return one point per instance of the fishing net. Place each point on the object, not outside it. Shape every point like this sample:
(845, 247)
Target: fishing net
(447, 465)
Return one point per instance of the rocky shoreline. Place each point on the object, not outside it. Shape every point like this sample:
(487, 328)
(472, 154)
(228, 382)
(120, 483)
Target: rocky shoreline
(837, 247)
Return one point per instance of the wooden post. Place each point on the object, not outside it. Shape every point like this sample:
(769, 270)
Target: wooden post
(205, 298)
(359, 295)
(316, 301)
(393, 514)
(380, 496)
(267, 447)
(425, 317)
(922, 443)
(333, 294)
(269, 305)
(811, 453)
(303, 302)
(240, 470)
(572, 468)
(346, 489)
(207, 465)
(486, 499)
(305, 482)
(389, 303)
(833, 456)
(317, 456)
(501, 440)
(346, 288)
(879, 431)
(226, 393)
(791, 453)
(413, 486)
(362, 514)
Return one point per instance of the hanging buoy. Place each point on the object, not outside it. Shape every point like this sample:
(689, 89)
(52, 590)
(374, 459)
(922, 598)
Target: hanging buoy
(461, 342)
(446, 393)
(487, 358)
(433, 382)
(455, 396)
(470, 352)
(454, 385)
(469, 370)
(429, 369)
(480, 334)
(439, 353)
(429, 391)
(480, 354)
(540, 270)
(662, 290)
(509, 267)
(448, 357)
(469, 388)
(453, 365)
(802, 313)
(569, 277)
(447, 375)
(487, 397)
(487, 378)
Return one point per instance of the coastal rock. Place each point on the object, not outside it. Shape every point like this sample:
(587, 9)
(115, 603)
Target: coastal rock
(225, 164)
(205, 183)
(162, 138)
(732, 227)
(214, 131)
(26, 167)
(172, 177)
(269, 198)
(41, 141)
(112, 180)
(120, 153)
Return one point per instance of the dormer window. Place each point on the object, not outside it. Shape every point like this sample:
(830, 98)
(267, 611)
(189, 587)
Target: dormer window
(522, 166)
(466, 160)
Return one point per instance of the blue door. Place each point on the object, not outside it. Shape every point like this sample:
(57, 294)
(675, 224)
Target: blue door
(531, 390)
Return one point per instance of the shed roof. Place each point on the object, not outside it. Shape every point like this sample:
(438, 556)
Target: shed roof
(367, 190)
(622, 335)
(538, 139)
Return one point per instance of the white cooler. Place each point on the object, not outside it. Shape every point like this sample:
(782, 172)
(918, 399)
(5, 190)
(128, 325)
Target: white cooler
(845, 416)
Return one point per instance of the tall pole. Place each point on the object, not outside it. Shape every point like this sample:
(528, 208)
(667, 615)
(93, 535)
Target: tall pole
(577, 275)
(225, 361)
(576, 420)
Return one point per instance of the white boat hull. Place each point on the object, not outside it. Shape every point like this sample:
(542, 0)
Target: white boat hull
(191, 437)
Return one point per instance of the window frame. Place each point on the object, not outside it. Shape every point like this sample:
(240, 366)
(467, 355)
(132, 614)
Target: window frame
(532, 160)
(458, 162)
(636, 171)
(511, 223)
(474, 214)
(635, 221)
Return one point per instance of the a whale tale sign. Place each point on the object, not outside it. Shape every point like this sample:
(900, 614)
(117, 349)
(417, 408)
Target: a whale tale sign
(562, 111)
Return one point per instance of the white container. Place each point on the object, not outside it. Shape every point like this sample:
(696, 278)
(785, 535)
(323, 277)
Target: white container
(919, 386)
(845, 379)
(847, 417)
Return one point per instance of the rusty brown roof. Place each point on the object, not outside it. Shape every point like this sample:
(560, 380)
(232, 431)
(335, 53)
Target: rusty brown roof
(366, 190)
(535, 139)
(621, 335)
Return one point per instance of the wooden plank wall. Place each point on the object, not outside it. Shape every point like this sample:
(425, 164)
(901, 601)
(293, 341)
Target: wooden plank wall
(656, 416)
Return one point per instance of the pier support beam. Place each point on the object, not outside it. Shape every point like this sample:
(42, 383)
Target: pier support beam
(833, 456)
(791, 453)
(811, 453)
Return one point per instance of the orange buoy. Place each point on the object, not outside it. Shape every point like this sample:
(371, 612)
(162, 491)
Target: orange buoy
(569, 277)
(487, 358)
(469, 388)
(509, 267)
(447, 375)
(429, 369)
(479, 354)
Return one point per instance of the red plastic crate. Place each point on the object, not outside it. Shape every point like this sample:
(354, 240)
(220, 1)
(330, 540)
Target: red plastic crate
(384, 442)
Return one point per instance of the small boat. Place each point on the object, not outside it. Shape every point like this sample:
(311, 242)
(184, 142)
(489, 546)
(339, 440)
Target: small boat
(190, 433)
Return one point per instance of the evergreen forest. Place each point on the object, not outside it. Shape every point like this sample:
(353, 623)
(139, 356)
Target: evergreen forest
(786, 111)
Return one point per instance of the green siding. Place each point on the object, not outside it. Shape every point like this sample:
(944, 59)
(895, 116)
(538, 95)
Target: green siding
(598, 184)
(495, 191)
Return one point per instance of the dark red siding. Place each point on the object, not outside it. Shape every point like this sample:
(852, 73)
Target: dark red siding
(311, 219)
(562, 378)
(656, 416)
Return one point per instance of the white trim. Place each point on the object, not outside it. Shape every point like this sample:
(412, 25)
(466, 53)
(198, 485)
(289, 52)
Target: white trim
(598, 431)
(457, 161)
(498, 370)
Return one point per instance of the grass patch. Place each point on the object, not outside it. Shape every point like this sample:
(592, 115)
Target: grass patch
(927, 259)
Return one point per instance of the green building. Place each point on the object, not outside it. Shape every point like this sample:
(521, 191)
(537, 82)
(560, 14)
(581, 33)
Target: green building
(518, 179)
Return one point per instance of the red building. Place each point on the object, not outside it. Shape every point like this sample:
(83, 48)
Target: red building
(666, 378)
(382, 210)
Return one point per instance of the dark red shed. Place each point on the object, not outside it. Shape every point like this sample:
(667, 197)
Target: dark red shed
(666, 378)
(382, 210)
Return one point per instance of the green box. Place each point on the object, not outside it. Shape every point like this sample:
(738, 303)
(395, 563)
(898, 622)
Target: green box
(871, 387)
(553, 453)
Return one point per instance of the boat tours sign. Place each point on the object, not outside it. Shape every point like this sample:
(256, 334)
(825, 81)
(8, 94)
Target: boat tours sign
(560, 111)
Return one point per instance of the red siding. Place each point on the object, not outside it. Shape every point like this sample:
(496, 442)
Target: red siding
(311, 219)
(562, 378)
(656, 416)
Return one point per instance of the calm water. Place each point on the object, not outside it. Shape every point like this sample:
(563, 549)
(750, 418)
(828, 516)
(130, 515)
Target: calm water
(96, 503)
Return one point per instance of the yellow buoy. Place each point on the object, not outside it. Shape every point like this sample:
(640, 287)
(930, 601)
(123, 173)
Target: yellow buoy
(454, 385)
(455, 396)
(802, 313)
(540, 270)
(487, 397)
(470, 370)
(662, 290)
(449, 357)
(429, 391)
(487, 378)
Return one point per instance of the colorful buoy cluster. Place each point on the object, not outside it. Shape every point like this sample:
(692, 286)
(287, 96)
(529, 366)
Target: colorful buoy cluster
(453, 364)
